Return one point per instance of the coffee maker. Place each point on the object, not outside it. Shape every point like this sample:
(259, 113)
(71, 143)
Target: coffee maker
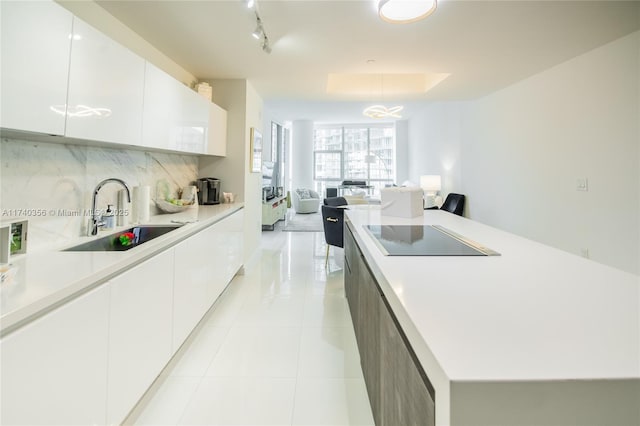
(208, 190)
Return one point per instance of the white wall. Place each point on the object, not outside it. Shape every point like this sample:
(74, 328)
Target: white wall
(434, 144)
(302, 154)
(524, 147)
(253, 181)
(244, 110)
(402, 151)
(231, 170)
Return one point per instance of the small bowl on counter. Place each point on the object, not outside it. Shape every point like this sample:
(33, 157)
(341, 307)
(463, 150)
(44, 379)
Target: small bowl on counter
(180, 206)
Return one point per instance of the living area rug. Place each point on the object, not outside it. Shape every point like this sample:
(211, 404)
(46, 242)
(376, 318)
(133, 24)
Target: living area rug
(311, 222)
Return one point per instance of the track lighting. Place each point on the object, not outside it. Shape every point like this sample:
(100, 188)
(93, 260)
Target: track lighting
(265, 45)
(259, 33)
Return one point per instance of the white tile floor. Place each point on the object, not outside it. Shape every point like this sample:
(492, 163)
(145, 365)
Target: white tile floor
(278, 348)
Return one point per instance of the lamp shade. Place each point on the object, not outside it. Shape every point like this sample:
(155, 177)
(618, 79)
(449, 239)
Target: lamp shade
(430, 183)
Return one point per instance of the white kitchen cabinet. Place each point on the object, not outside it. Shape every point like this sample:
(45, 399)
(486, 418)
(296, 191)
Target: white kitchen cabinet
(196, 270)
(106, 86)
(174, 117)
(191, 126)
(204, 264)
(139, 332)
(54, 369)
(36, 43)
(230, 249)
(217, 138)
(160, 106)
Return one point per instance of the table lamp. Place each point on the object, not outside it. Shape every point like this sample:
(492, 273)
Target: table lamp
(431, 185)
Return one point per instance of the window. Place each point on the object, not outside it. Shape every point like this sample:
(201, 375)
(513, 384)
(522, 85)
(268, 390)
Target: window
(328, 165)
(359, 152)
(279, 144)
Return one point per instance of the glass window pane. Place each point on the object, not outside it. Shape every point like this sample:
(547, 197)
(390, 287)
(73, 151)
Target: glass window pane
(274, 141)
(355, 167)
(382, 150)
(355, 150)
(366, 153)
(327, 139)
(355, 140)
(328, 165)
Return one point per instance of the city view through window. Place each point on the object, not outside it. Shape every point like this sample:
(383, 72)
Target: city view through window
(362, 153)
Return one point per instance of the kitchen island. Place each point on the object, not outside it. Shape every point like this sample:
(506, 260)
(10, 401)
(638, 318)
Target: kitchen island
(533, 336)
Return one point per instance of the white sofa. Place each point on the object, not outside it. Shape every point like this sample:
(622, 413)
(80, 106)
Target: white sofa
(305, 201)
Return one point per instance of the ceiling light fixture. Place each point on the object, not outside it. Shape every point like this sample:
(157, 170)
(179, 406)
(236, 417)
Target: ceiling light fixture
(259, 33)
(405, 11)
(379, 111)
(265, 44)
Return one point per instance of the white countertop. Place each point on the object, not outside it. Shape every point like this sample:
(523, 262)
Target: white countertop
(533, 313)
(45, 279)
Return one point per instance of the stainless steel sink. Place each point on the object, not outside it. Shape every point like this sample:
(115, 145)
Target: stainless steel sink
(142, 234)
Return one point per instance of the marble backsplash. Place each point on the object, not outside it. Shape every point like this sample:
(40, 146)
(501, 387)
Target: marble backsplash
(51, 184)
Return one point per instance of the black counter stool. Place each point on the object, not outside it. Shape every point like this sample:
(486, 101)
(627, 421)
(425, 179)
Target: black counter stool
(332, 222)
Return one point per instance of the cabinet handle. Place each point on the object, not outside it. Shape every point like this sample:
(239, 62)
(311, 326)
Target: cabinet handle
(332, 219)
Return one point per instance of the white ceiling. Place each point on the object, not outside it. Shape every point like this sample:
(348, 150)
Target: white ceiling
(484, 45)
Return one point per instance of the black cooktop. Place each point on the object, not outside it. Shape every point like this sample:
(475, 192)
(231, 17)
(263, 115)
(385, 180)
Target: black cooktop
(424, 240)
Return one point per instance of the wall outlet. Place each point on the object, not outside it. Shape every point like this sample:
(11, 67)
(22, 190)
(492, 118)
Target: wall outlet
(584, 252)
(582, 184)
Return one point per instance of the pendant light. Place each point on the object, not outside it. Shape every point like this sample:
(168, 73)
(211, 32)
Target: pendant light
(380, 111)
(405, 11)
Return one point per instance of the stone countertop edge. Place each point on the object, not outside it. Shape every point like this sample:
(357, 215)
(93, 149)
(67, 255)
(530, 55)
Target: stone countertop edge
(49, 279)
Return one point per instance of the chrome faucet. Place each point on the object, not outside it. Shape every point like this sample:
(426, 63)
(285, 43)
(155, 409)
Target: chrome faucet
(96, 219)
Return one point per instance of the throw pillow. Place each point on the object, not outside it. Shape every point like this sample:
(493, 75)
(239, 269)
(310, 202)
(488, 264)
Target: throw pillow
(303, 193)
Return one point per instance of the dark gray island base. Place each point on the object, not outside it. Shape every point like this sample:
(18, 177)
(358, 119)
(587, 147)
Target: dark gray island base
(399, 391)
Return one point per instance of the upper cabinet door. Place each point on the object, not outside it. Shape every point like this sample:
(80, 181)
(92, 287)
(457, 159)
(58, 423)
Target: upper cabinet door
(36, 41)
(160, 107)
(217, 144)
(190, 129)
(175, 117)
(106, 85)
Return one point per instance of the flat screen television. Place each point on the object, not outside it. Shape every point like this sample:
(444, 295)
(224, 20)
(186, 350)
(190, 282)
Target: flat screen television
(270, 177)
